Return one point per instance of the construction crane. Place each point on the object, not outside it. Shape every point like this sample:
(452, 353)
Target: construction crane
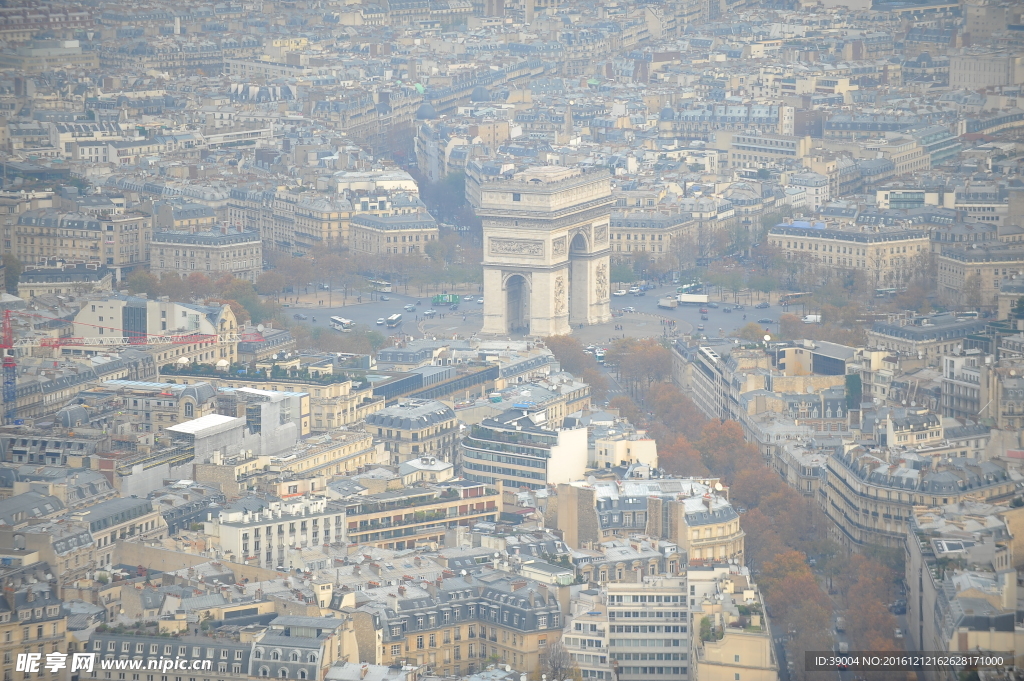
(9, 345)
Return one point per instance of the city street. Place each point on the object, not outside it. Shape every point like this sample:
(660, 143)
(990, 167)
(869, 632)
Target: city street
(640, 316)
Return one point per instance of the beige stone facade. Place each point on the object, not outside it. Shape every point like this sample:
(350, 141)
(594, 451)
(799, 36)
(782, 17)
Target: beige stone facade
(546, 249)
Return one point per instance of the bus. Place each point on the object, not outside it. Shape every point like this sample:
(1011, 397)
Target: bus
(691, 288)
(445, 299)
(794, 298)
(394, 320)
(342, 324)
(380, 286)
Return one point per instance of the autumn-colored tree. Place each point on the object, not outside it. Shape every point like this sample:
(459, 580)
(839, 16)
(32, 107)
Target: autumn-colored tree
(679, 457)
(640, 363)
(761, 543)
(141, 281)
(675, 411)
(199, 285)
(751, 485)
(724, 449)
(571, 354)
(791, 327)
(788, 582)
(173, 286)
(597, 381)
(270, 283)
(813, 628)
(627, 408)
(752, 331)
(241, 314)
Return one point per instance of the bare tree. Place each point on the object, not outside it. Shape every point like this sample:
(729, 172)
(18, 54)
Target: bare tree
(558, 664)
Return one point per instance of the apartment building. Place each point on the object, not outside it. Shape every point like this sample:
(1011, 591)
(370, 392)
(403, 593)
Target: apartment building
(985, 202)
(229, 659)
(392, 234)
(977, 272)
(521, 448)
(757, 150)
(889, 259)
(961, 581)
(632, 631)
(300, 647)
(213, 253)
(594, 511)
(57, 277)
(117, 241)
(870, 499)
(132, 317)
(707, 528)
(802, 466)
(335, 399)
(461, 624)
(815, 185)
(259, 530)
(309, 221)
(733, 641)
(700, 122)
(652, 231)
(927, 337)
(981, 68)
(407, 517)
(32, 615)
(116, 519)
(415, 428)
(41, 56)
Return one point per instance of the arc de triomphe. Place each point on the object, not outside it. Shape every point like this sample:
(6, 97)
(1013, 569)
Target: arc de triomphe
(546, 248)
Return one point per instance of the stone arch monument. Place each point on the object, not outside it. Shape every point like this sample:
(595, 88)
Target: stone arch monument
(546, 248)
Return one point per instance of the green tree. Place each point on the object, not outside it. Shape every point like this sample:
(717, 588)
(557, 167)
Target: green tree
(1018, 309)
(972, 292)
(270, 283)
(622, 273)
(571, 354)
(752, 331)
(12, 273)
(141, 281)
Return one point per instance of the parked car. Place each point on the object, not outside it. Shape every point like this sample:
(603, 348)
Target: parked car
(380, 321)
(765, 320)
(764, 305)
(620, 292)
